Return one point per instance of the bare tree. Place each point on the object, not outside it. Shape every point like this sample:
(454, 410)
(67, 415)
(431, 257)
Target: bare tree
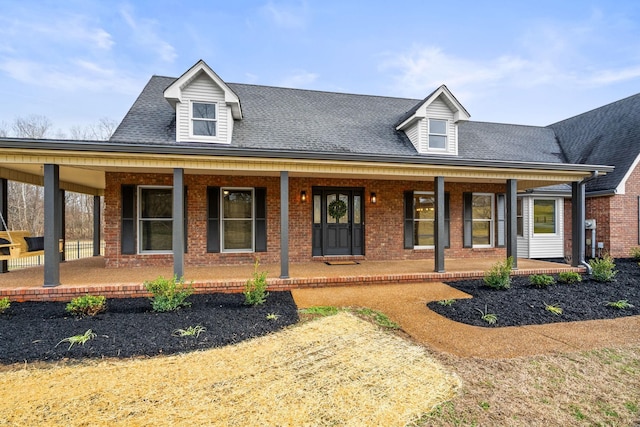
(33, 126)
(26, 202)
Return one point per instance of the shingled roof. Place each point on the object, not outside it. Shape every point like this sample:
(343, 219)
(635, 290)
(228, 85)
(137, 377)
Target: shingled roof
(609, 135)
(304, 120)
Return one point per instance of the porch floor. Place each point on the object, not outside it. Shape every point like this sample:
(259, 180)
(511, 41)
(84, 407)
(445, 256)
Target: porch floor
(89, 275)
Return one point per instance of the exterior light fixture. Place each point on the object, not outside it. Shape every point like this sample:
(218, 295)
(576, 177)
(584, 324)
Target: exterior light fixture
(374, 198)
(303, 196)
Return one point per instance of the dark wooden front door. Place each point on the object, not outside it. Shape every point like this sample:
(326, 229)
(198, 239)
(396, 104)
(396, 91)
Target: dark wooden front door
(338, 226)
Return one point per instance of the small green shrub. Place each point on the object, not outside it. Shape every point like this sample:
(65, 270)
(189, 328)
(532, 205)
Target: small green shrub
(255, 290)
(190, 331)
(553, 308)
(4, 304)
(603, 269)
(620, 304)
(499, 277)
(87, 305)
(541, 280)
(78, 339)
(272, 316)
(168, 294)
(635, 253)
(490, 318)
(569, 277)
(447, 302)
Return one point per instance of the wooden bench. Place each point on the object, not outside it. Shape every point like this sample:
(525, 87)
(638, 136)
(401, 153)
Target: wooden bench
(19, 248)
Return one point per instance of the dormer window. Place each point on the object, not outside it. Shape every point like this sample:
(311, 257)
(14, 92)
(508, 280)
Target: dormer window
(437, 134)
(203, 119)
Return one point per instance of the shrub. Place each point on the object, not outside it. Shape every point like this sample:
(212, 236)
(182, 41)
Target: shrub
(87, 305)
(255, 290)
(490, 318)
(541, 280)
(4, 304)
(620, 304)
(553, 308)
(603, 269)
(168, 294)
(499, 277)
(635, 253)
(569, 277)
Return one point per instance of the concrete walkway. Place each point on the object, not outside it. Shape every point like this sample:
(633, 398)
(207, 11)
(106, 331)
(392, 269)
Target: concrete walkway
(406, 305)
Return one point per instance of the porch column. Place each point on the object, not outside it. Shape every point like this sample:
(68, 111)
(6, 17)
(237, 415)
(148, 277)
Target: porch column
(284, 225)
(512, 221)
(438, 185)
(52, 225)
(577, 223)
(96, 225)
(62, 225)
(4, 202)
(178, 222)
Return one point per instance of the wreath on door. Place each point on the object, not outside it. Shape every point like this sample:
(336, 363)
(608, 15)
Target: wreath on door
(337, 209)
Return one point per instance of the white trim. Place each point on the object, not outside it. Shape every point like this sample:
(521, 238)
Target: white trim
(459, 112)
(491, 221)
(216, 120)
(426, 193)
(253, 219)
(139, 250)
(533, 217)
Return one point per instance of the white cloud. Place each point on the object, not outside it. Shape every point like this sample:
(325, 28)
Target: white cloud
(83, 76)
(299, 79)
(286, 16)
(145, 33)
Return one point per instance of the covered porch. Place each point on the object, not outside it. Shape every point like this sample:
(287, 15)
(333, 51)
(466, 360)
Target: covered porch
(89, 275)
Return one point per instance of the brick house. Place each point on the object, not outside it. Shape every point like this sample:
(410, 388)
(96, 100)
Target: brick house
(228, 172)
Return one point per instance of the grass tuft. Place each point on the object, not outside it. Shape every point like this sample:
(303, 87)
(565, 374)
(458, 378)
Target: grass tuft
(78, 339)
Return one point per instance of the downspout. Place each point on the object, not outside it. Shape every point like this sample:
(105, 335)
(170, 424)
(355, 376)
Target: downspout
(582, 183)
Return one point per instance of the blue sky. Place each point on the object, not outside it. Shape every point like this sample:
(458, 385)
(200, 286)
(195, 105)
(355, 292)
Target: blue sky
(76, 61)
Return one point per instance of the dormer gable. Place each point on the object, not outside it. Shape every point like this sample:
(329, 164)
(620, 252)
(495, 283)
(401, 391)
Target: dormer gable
(205, 106)
(432, 125)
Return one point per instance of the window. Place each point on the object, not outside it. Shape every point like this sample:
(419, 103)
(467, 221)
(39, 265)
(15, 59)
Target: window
(237, 220)
(424, 205)
(519, 218)
(203, 119)
(482, 216)
(155, 219)
(544, 216)
(437, 134)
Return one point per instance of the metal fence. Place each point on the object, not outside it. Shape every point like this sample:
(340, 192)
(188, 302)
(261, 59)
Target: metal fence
(73, 249)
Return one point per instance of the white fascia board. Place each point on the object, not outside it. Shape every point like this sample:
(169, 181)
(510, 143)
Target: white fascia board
(621, 188)
(459, 112)
(173, 93)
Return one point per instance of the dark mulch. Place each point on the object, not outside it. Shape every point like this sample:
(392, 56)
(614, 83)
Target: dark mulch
(524, 304)
(30, 331)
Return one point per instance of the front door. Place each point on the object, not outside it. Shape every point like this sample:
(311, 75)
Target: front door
(337, 221)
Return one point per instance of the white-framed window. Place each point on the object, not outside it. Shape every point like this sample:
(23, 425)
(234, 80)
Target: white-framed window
(155, 219)
(204, 119)
(238, 219)
(424, 214)
(483, 220)
(437, 134)
(544, 216)
(519, 217)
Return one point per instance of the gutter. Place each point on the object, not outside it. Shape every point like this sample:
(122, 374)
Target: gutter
(159, 149)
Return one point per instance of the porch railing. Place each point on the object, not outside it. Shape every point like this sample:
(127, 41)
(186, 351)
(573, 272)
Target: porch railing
(73, 249)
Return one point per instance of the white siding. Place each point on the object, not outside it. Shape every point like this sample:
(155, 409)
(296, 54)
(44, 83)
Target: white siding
(414, 135)
(438, 109)
(203, 89)
(542, 245)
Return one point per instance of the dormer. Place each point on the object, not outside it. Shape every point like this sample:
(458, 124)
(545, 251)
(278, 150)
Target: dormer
(205, 106)
(432, 125)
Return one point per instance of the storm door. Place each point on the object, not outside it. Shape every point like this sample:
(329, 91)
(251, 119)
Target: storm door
(338, 226)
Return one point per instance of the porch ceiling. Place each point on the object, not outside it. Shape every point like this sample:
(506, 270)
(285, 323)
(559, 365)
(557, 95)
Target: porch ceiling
(84, 171)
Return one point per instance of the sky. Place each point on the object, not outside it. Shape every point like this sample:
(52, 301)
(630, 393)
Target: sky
(521, 62)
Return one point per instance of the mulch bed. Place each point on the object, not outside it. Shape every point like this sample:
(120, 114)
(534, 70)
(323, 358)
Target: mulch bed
(524, 304)
(31, 331)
